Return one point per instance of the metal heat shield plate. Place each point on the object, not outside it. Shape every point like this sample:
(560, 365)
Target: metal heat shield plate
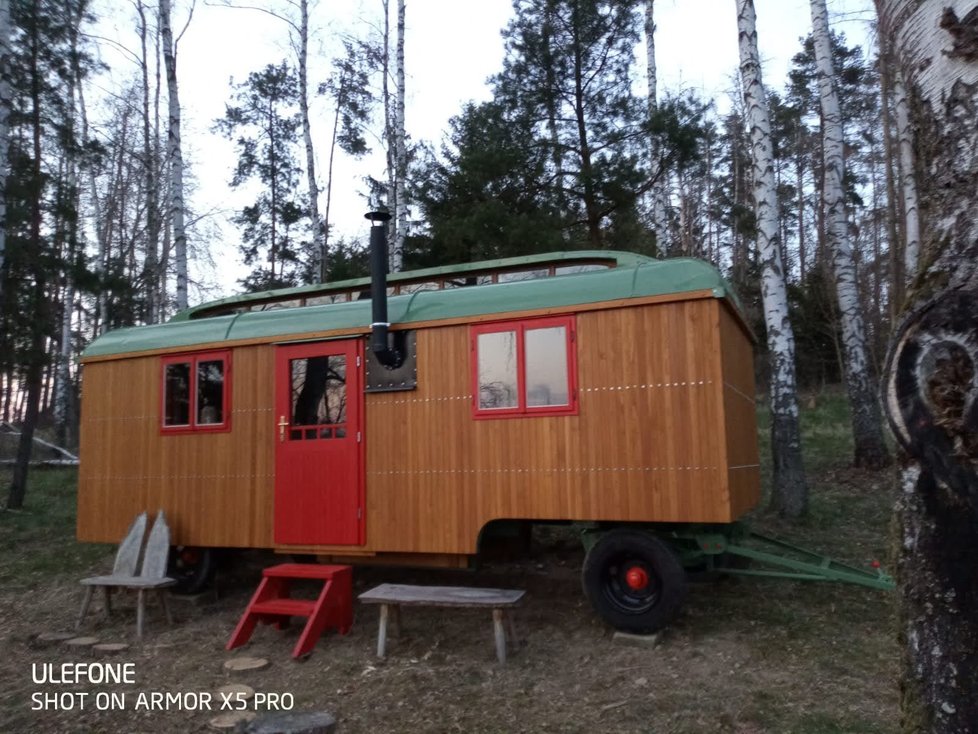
(405, 377)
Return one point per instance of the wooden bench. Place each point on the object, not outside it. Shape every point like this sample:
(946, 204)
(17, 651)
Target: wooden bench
(392, 597)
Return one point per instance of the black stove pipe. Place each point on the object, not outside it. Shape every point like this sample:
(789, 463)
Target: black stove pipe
(379, 340)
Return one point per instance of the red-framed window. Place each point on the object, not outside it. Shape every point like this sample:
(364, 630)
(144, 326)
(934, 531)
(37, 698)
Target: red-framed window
(196, 392)
(524, 368)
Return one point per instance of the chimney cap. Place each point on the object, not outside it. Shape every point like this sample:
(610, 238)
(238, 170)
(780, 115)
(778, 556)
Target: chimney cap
(381, 214)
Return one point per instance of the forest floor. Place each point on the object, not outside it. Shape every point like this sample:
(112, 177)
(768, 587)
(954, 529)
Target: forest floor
(746, 656)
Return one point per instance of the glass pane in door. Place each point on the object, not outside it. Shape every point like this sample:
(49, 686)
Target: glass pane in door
(318, 395)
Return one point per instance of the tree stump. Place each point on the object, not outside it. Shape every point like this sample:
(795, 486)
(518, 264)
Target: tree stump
(238, 665)
(232, 720)
(303, 722)
(81, 641)
(110, 647)
(236, 691)
(55, 636)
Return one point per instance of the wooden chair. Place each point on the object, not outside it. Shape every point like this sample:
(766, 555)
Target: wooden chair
(151, 576)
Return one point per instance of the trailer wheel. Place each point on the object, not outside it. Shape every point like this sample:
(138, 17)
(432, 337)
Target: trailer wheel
(192, 567)
(634, 581)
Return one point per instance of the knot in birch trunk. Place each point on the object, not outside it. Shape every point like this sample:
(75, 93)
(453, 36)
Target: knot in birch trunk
(931, 390)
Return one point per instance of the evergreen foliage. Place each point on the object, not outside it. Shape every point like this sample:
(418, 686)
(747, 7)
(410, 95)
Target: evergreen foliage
(263, 124)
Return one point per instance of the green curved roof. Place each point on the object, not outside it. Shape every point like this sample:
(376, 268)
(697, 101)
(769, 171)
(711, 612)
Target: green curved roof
(634, 277)
(619, 258)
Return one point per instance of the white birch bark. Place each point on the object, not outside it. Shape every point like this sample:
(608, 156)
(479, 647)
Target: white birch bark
(790, 492)
(931, 391)
(159, 193)
(324, 263)
(389, 132)
(400, 152)
(315, 221)
(867, 428)
(908, 182)
(151, 258)
(657, 192)
(174, 152)
(95, 204)
(62, 378)
(5, 101)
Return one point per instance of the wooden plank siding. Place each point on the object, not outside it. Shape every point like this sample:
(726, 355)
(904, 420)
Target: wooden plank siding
(216, 488)
(661, 426)
(740, 414)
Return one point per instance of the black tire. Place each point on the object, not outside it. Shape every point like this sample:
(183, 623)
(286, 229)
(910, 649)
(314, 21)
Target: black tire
(613, 575)
(192, 567)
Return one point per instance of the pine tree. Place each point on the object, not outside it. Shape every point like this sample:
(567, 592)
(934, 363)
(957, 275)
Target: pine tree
(264, 125)
(569, 64)
(5, 104)
(40, 208)
(489, 195)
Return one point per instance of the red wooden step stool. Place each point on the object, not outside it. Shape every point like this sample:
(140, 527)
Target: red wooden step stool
(272, 604)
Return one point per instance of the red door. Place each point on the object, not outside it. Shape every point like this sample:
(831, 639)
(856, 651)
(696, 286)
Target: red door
(318, 465)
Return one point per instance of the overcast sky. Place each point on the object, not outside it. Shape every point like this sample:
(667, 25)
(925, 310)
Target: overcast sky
(451, 48)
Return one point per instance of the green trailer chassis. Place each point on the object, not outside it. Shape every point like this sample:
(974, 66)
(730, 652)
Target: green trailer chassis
(737, 550)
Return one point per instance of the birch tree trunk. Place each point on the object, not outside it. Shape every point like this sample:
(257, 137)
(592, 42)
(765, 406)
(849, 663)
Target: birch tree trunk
(400, 152)
(324, 261)
(908, 182)
(385, 68)
(657, 192)
(895, 254)
(174, 153)
(95, 203)
(315, 221)
(930, 392)
(151, 262)
(5, 102)
(62, 378)
(800, 161)
(867, 423)
(790, 491)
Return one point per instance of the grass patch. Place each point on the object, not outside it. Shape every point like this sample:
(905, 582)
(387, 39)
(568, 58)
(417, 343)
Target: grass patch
(38, 541)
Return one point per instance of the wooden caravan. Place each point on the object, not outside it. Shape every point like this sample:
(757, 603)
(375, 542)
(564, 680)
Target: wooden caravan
(599, 387)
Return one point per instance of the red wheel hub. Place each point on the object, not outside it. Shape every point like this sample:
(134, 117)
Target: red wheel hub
(189, 557)
(637, 578)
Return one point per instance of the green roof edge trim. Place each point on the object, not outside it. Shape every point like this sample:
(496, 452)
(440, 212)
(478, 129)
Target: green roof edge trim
(646, 277)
